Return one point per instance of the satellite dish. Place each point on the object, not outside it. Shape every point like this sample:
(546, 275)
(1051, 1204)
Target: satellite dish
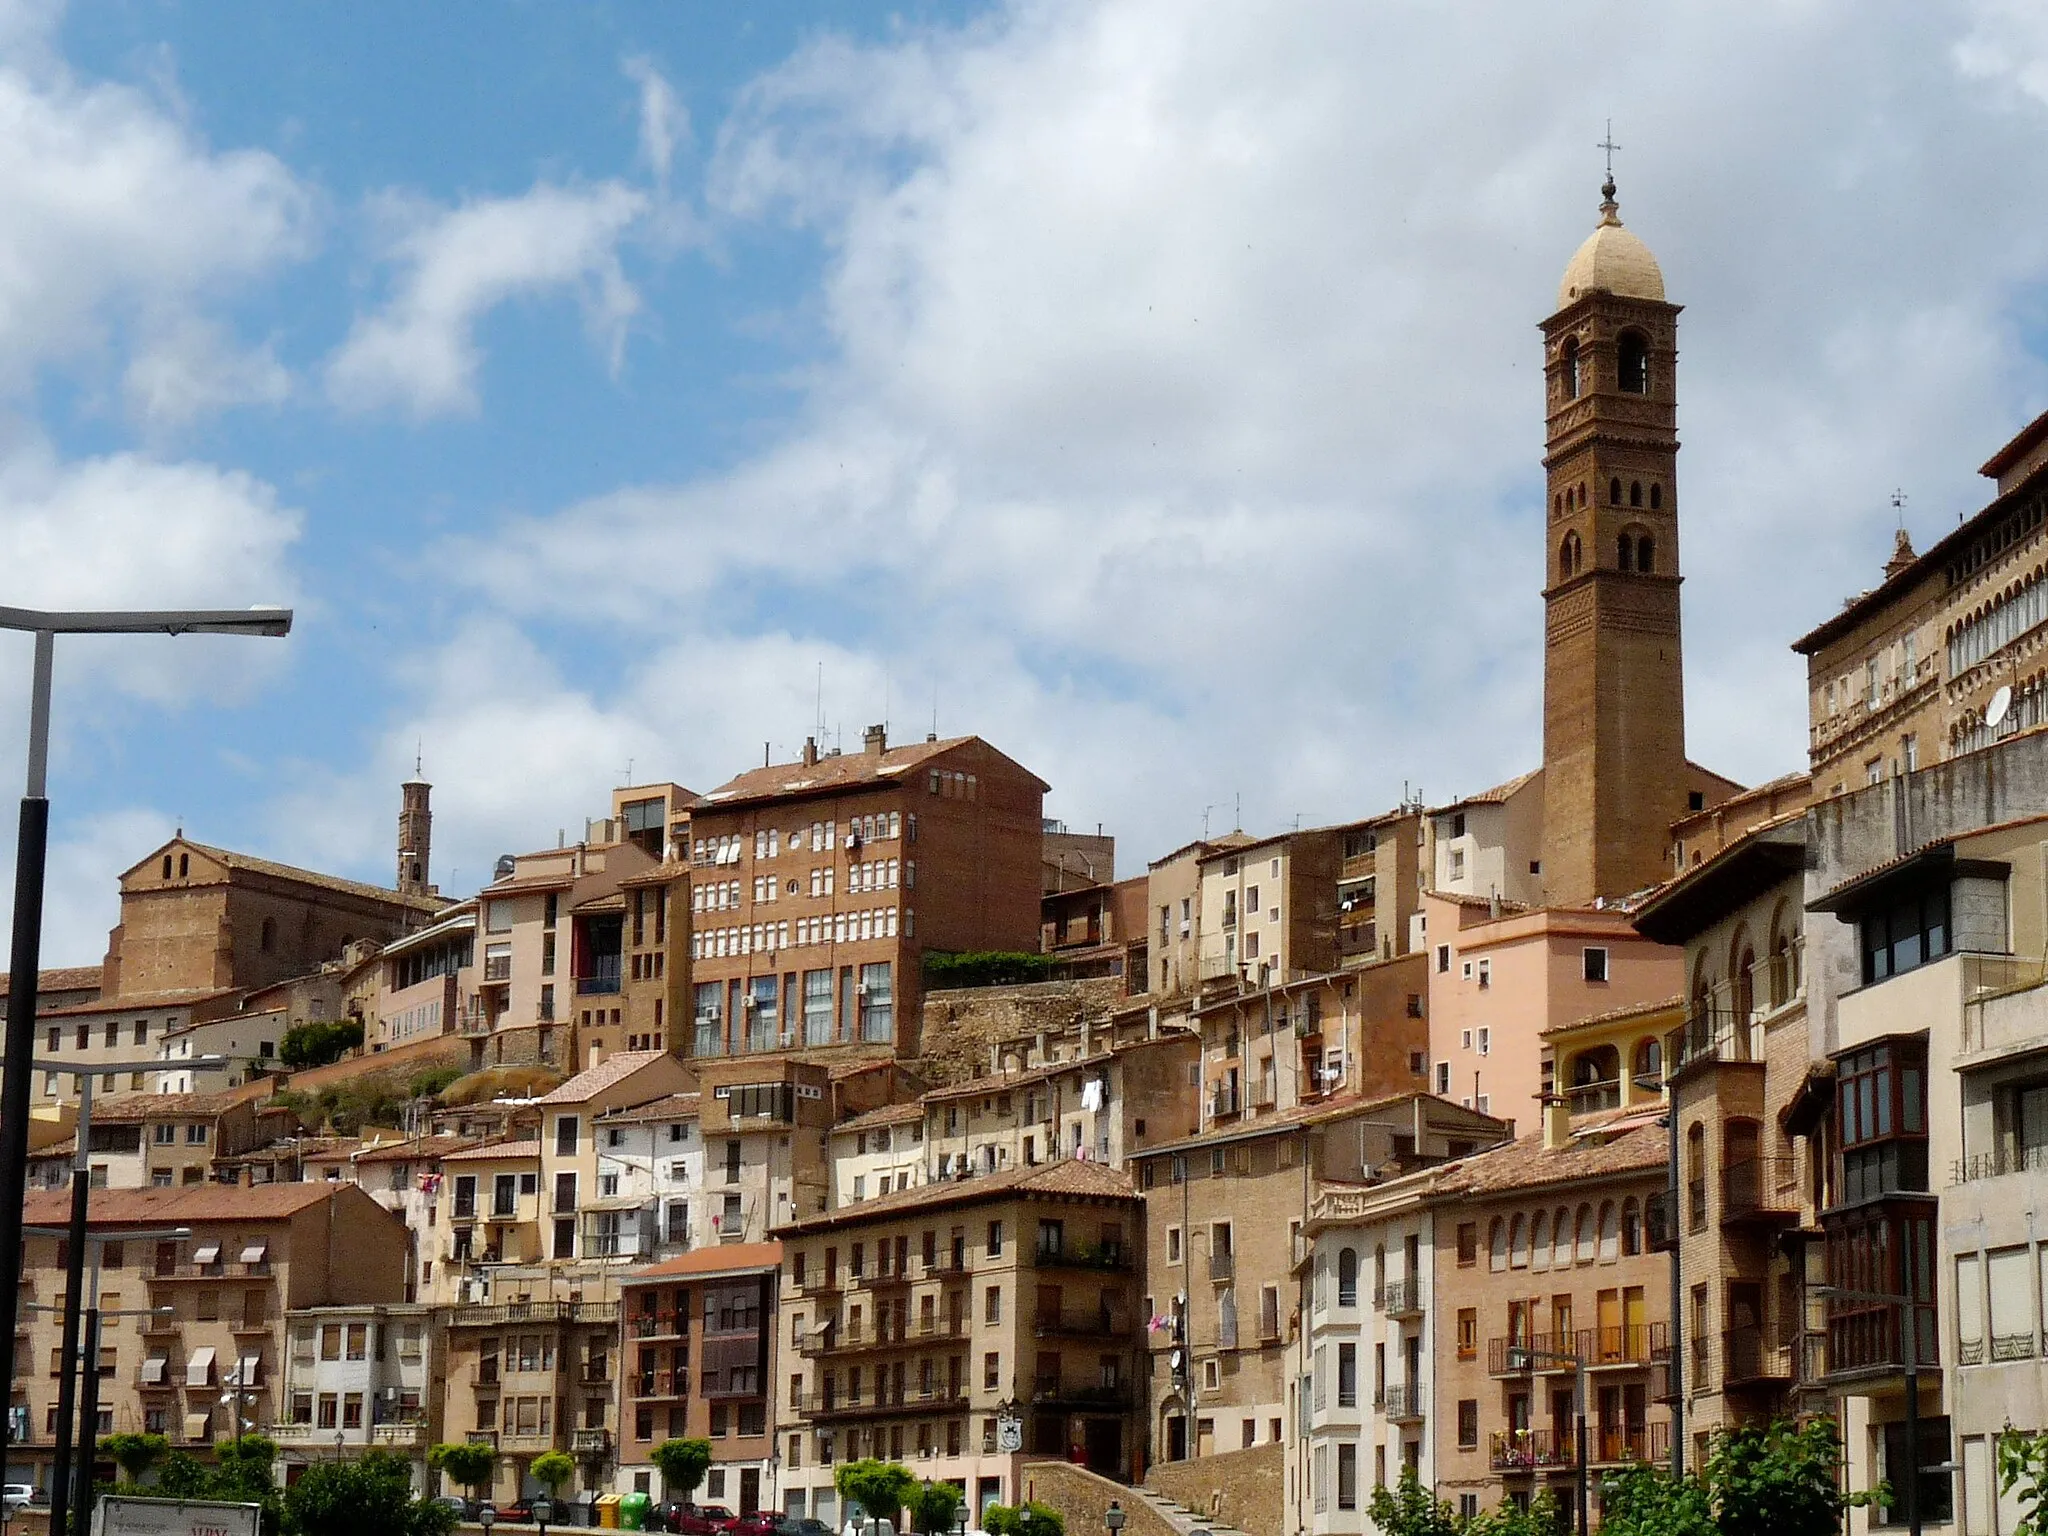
(2000, 706)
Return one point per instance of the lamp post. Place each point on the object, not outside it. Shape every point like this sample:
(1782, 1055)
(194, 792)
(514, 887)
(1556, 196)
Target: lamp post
(1521, 1355)
(1114, 1517)
(1911, 1333)
(32, 845)
(487, 1516)
(75, 1234)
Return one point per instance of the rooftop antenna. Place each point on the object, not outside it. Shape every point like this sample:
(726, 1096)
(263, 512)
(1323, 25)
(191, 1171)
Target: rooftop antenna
(935, 710)
(819, 713)
(1205, 821)
(1237, 808)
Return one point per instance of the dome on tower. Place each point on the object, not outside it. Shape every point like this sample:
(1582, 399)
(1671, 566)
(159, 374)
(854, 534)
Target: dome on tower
(1612, 260)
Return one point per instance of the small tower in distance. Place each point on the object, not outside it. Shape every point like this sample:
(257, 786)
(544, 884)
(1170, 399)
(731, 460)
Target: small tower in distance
(415, 835)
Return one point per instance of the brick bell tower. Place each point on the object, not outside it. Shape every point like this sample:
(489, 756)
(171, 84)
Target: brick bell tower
(415, 835)
(1615, 774)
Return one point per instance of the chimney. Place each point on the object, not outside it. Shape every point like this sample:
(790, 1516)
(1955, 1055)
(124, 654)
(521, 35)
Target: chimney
(876, 740)
(1557, 1122)
(810, 751)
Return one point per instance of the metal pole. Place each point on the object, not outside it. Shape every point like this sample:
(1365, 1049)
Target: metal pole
(1913, 1428)
(74, 1304)
(88, 1418)
(31, 847)
(1676, 1385)
(1579, 1391)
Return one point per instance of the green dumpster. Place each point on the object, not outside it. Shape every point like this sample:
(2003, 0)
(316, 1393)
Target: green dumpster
(633, 1511)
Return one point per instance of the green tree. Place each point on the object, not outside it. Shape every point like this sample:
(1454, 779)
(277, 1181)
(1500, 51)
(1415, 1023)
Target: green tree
(879, 1487)
(683, 1464)
(466, 1461)
(1780, 1479)
(2023, 1472)
(1542, 1516)
(135, 1454)
(318, 1042)
(1649, 1501)
(1008, 1520)
(181, 1475)
(932, 1507)
(551, 1469)
(1406, 1509)
(371, 1496)
(425, 1085)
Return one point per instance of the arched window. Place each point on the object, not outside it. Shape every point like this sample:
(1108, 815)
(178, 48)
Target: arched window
(1379, 1270)
(1561, 1239)
(1584, 1251)
(1614, 492)
(1631, 1227)
(1557, 505)
(1742, 980)
(1582, 493)
(1347, 1277)
(1568, 556)
(167, 866)
(1632, 362)
(1625, 553)
(1646, 553)
(184, 865)
(267, 936)
(1656, 496)
(1635, 493)
(1648, 1067)
(1539, 1241)
(1610, 1233)
(1518, 1243)
(1497, 1245)
(1569, 366)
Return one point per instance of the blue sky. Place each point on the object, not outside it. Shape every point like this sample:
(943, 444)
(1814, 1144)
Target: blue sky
(1151, 388)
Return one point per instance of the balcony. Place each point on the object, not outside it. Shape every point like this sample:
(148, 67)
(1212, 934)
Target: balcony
(590, 1442)
(1627, 1345)
(1402, 1404)
(1046, 1393)
(535, 1312)
(883, 1280)
(817, 1341)
(399, 1437)
(1761, 1190)
(1660, 1233)
(1541, 1352)
(661, 1384)
(595, 1373)
(1997, 1165)
(1401, 1298)
(1075, 1325)
(603, 978)
(656, 1325)
(939, 1400)
(1590, 1098)
(1223, 1105)
(1616, 1443)
(1747, 1358)
(498, 968)
(1222, 1266)
(1530, 1450)
(1107, 1257)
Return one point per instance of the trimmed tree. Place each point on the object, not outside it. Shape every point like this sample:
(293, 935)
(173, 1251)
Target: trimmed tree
(370, 1496)
(466, 1461)
(879, 1487)
(932, 1507)
(551, 1469)
(135, 1454)
(682, 1464)
(1781, 1479)
(1406, 1509)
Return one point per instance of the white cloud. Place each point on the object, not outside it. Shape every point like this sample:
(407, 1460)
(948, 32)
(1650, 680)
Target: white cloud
(1181, 371)
(664, 121)
(125, 229)
(82, 896)
(419, 351)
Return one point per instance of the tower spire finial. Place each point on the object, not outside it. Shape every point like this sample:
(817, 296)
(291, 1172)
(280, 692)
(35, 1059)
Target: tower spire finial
(1608, 207)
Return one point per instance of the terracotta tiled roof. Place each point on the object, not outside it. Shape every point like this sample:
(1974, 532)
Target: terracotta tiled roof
(1068, 1177)
(888, 1114)
(496, 1151)
(122, 1002)
(613, 901)
(191, 1202)
(722, 1258)
(607, 1073)
(674, 1106)
(848, 770)
(1342, 1108)
(1528, 1164)
(518, 884)
(1498, 795)
(1632, 1010)
(134, 1108)
(67, 978)
(256, 866)
(440, 1145)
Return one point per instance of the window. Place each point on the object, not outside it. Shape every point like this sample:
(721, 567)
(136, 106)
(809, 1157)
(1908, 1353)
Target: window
(1569, 368)
(1936, 1489)
(1468, 1244)
(1347, 1475)
(1596, 963)
(1347, 1375)
(1347, 1277)
(1881, 1120)
(1632, 363)
(1911, 931)
(566, 1128)
(1468, 1423)
(1468, 1333)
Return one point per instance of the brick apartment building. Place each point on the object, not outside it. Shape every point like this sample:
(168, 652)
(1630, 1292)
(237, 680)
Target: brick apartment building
(699, 1362)
(818, 886)
(254, 1255)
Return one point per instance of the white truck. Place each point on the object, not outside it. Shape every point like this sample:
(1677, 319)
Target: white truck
(119, 1515)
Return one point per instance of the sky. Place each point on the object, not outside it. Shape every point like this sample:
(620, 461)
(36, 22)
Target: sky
(1152, 389)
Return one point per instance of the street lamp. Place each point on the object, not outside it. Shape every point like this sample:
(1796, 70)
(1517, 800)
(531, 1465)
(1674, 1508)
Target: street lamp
(1114, 1517)
(487, 1516)
(1912, 1352)
(1520, 1355)
(30, 856)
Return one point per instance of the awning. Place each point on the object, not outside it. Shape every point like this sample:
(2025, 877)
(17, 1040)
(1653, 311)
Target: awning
(1811, 1100)
(615, 1203)
(199, 1368)
(156, 1371)
(251, 1370)
(255, 1253)
(208, 1254)
(199, 1426)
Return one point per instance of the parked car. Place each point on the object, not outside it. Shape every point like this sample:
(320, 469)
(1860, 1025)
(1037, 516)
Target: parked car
(453, 1501)
(760, 1523)
(15, 1495)
(519, 1511)
(805, 1526)
(696, 1519)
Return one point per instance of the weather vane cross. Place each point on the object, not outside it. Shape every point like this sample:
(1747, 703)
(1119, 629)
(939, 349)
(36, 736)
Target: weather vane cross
(1610, 146)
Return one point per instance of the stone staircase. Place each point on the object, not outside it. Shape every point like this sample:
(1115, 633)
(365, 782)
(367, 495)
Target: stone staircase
(1184, 1520)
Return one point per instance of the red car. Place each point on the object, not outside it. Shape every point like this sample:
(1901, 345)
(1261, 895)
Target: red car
(759, 1523)
(697, 1519)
